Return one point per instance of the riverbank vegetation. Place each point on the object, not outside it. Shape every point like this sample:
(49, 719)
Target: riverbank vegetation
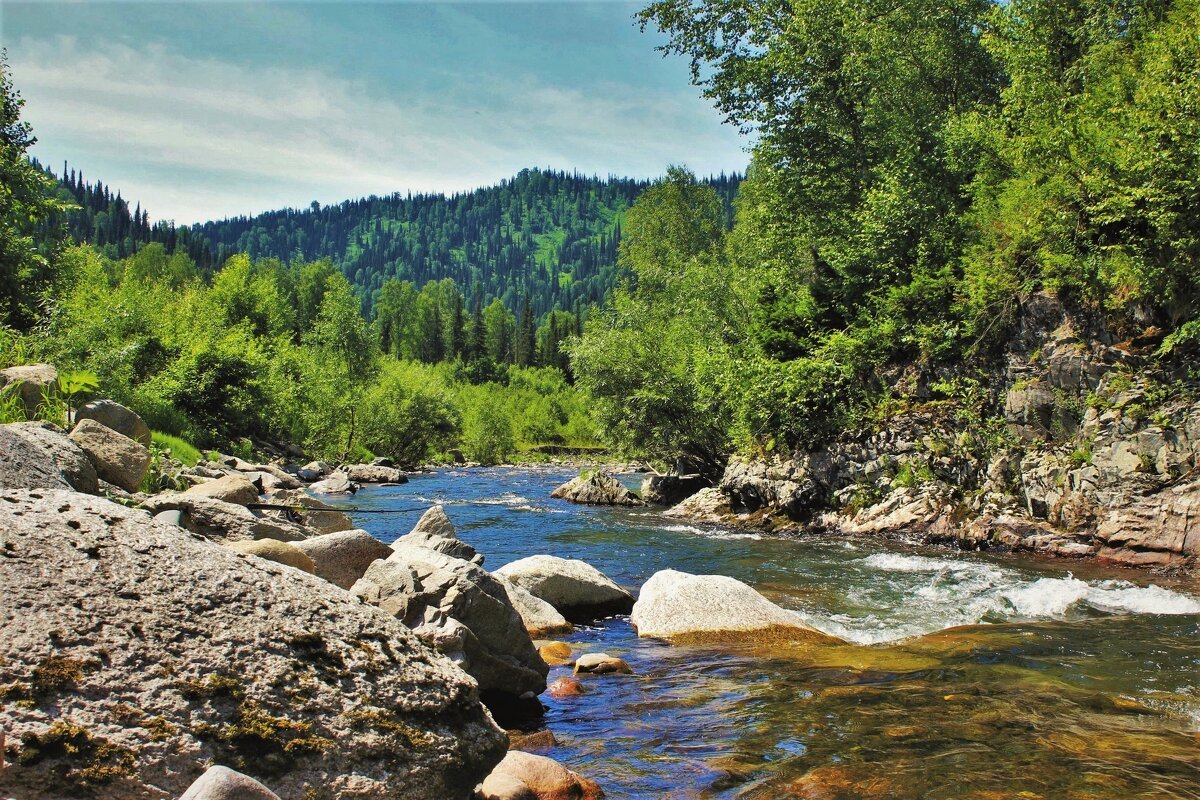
(920, 169)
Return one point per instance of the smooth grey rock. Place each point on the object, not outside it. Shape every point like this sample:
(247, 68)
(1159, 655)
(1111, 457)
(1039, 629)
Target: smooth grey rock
(576, 589)
(112, 414)
(117, 458)
(597, 490)
(222, 783)
(192, 637)
(336, 483)
(539, 617)
(343, 557)
(677, 604)
(373, 473)
(38, 455)
(308, 511)
(173, 517)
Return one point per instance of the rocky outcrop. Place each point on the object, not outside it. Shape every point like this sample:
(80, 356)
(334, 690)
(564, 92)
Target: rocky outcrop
(375, 473)
(343, 557)
(117, 417)
(671, 489)
(135, 655)
(274, 550)
(222, 783)
(237, 489)
(677, 605)
(308, 511)
(34, 383)
(525, 776)
(539, 617)
(461, 610)
(38, 455)
(223, 522)
(709, 505)
(1162, 529)
(596, 490)
(435, 531)
(576, 589)
(118, 459)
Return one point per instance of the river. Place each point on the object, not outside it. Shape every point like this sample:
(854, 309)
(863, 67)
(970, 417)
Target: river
(969, 676)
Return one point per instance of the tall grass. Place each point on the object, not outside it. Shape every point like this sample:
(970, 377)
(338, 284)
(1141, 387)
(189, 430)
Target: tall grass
(180, 450)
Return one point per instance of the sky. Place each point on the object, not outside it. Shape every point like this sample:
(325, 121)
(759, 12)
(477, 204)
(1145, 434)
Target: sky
(205, 110)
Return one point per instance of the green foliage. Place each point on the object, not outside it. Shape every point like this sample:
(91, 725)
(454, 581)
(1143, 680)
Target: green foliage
(179, 449)
(488, 434)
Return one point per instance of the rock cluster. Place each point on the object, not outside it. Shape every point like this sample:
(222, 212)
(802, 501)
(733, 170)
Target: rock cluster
(596, 489)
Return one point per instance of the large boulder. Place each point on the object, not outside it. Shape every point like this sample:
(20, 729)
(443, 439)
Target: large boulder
(343, 557)
(222, 783)
(223, 522)
(1156, 530)
(539, 617)
(677, 605)
(112, 414)
(435, 531)
(461, 610)
(274, 550)
(38, 455)
(336, 483)
(118, 459)
(375, 473)
(309, 512)
(709, 505)
(234, 488)
(34, 382)
(280, 478)
(135, 655)
(525, 776)
(596, 490)
(576, 589)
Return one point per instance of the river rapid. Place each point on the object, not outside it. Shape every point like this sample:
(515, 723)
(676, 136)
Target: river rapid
(967, 676)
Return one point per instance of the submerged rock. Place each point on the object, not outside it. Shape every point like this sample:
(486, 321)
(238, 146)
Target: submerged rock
(597, 490)
(343, 557)
(118, 459)
(525, 776)
(576, 589)
(676, 604)
(135, 655)
(38, 455)
(601, 664)
(112, 414)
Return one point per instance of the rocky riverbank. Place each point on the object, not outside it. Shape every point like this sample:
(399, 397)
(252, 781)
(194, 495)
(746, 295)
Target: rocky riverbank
(1078, 445)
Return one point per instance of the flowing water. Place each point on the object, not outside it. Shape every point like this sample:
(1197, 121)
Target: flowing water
(966, 676)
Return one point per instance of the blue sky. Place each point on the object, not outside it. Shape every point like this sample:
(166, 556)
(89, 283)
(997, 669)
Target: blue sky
(202, 110)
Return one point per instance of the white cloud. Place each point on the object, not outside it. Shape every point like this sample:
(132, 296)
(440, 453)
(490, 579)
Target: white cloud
(194, 139)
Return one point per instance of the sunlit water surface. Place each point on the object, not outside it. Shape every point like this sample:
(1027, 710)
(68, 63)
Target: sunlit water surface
(969, 676)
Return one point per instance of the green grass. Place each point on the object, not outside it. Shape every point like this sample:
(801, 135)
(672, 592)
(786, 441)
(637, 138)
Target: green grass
(180, 450)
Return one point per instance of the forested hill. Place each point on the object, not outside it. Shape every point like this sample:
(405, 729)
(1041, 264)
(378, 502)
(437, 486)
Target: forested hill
(546, 236)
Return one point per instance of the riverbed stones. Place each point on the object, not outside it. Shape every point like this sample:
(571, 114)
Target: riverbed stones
(555, 653)
(435, 531)
(167, 653)
(35, 381)
(222, 783)
(565, 687)
(676, 604)
(277, 551)
(601, 664)
(343, 557)
(223, 522)
(596, 490)
(576, 589)
(493, 648)
(112, 414)
(375, 473)
(38, 455)
(233, 488)
(525, 776)
(539, 617)
(117, 458)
